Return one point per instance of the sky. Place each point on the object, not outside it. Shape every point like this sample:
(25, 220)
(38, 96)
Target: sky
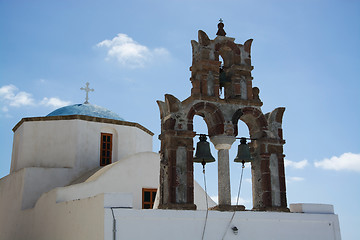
(306, 58)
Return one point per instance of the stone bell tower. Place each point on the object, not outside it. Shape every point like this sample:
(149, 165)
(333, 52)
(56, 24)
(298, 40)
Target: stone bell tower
(221, 65)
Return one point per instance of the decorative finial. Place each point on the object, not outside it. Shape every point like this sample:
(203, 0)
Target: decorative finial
(87, 90)
(221, 31)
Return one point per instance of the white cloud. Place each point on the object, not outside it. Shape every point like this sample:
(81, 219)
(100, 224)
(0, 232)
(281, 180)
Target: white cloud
(12, 97)
(347, 161)
(129, 53)
(294, 179)
(54, 102)
(297, 165)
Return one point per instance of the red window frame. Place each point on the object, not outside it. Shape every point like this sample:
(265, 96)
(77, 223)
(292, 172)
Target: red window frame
(106, 149)
(148, 197)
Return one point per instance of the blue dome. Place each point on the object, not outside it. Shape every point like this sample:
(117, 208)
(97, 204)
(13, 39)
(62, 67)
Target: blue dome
(87, 110)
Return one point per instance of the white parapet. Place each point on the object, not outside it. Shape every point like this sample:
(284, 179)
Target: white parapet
(182, 224)
(118, 200)
(312, 208)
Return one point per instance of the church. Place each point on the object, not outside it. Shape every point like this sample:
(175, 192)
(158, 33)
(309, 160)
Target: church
(83, 172)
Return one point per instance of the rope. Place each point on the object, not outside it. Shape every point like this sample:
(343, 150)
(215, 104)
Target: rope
(237, 200)
(207, 205)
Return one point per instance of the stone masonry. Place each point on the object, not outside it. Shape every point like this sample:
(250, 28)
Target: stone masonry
(221, 65)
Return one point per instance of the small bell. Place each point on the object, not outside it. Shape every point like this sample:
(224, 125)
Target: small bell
(243, 154)
(223, 79)
(203, 154)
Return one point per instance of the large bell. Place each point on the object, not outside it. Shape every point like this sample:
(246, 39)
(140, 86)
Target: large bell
(243, 154)
(203, 154)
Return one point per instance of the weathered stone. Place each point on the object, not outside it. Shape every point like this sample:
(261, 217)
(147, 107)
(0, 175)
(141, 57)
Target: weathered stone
(173, 104)
(266, 198)
(275, 148)
(227, 208)
(264, 166)
(281, 170)
(241, 101)
(247, 46)
(203, 38)
(169, 124)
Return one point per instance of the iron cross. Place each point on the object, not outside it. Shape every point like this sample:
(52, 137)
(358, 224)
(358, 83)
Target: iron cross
(87, 90)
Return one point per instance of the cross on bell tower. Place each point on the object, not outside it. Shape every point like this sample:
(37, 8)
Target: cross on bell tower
(87, 90)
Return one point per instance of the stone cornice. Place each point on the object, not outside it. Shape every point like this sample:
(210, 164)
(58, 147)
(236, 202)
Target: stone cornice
(85, 118)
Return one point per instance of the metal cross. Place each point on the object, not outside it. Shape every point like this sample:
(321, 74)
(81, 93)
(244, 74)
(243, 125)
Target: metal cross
(87, 90)
(220, 20)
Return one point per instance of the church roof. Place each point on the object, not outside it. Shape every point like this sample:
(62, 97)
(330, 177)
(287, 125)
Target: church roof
(86, 110)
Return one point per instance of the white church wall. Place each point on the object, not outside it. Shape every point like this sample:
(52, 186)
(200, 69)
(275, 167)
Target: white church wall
(92, 218)
(10, 202)
(88, 145)
(199, 198)
(126, 141)
(133, 140)
(180, 224)
(45, 144)
(130, 175)
(41, 180)
(17, 144)
(73, 143)
(72, 220)
(55, 153)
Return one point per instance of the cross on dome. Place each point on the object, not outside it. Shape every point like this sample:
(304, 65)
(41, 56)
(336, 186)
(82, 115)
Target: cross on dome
(87, 90)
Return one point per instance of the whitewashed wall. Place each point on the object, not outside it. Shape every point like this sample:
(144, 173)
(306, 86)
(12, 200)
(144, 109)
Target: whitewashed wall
(180, 225)
(72, 143)
(129, 175)
(92, 218)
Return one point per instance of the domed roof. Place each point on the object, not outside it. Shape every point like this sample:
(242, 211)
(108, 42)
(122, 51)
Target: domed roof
(87, 110)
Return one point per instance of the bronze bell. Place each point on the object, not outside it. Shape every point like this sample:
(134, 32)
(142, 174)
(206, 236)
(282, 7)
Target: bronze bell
(223, 79)
(243, 154)
(203, 154)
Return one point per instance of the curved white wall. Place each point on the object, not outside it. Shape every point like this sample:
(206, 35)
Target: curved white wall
(130, 175)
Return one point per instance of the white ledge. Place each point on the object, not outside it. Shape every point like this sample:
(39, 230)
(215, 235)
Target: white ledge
(312, 208)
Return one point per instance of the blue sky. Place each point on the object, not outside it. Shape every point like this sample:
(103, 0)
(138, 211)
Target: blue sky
(306, 56)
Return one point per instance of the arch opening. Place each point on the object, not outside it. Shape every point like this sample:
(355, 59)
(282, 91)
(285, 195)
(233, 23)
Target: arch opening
(213, 117)
(200, 127)
(222, 78)
(235, 171)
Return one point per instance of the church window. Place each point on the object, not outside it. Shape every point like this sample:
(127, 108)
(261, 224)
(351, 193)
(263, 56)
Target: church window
(148, 197)
(105, 149)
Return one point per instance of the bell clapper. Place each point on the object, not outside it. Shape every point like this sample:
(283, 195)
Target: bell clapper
(203, 164)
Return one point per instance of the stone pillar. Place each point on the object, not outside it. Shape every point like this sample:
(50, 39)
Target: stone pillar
(268, 175)
(176, 170)
(223, 144)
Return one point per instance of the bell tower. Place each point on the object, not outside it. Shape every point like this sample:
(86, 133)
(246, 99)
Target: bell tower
(221, 65)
